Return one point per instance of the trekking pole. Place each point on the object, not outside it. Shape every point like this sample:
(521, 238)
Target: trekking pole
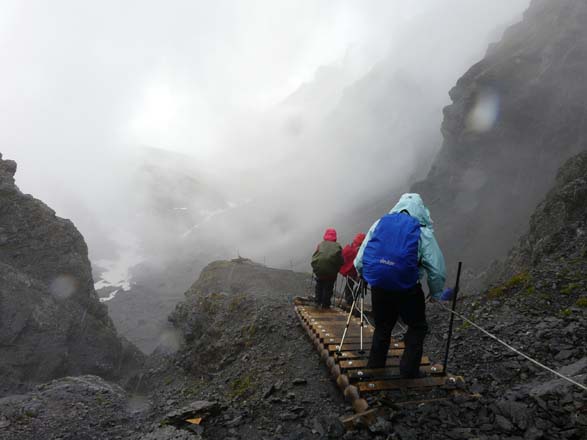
(452, 317)
(363, 291)
(348, 320)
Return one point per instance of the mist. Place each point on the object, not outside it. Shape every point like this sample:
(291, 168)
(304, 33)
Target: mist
(189, 131)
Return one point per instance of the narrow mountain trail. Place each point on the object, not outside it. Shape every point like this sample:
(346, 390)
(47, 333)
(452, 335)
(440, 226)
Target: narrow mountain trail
(247, 351)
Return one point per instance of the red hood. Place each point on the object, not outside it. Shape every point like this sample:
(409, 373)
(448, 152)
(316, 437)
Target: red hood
(330, 235)
(358, 241)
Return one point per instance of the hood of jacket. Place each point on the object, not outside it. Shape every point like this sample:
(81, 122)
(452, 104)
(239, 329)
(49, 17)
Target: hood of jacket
(414, 205)
(330, 234)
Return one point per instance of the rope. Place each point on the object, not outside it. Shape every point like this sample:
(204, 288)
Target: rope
(515, 350)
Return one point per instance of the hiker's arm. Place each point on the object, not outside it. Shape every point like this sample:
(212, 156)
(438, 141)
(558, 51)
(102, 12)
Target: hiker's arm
(433, 262)
(359, 258)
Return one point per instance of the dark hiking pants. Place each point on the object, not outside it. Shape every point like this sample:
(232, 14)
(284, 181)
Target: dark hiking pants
(324, 291)
(411, 307)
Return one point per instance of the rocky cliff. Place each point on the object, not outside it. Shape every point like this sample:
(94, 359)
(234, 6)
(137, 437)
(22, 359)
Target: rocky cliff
(556, 241)
(516, 116)
(51, 322)
(537, 302)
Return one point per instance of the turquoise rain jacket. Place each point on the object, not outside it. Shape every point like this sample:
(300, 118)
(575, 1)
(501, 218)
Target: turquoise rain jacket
(429, 253)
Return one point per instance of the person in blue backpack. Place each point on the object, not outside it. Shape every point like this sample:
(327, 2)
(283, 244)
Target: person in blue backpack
(398, 251)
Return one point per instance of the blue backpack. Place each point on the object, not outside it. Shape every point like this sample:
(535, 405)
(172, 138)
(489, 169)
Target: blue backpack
(390, 260)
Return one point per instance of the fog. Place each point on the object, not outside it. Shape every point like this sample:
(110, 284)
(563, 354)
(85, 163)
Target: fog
(192, 130)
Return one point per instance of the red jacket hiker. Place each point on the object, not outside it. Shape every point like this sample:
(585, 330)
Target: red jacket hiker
(349, 253)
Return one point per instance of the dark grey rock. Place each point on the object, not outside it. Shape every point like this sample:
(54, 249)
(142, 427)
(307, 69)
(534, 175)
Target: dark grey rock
(197, 408)
(288, 416)
(406, 433)
(85, 406)
(533, 433)
(503, 423)
(234, 422)
(381, 426)
(515, 411)
(51, 322)
(269, 391)
(564, 355)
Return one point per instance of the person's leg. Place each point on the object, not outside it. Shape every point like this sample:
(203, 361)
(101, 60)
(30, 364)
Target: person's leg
(318, 292)
(327, 292)
(385, 316)
(413, 313)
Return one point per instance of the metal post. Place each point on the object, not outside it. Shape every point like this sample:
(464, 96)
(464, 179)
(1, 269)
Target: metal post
(452, 317)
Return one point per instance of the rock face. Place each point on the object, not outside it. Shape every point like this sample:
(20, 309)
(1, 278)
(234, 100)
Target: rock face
(51, 322)
(556, 241)
(516, 117)
(230, 308)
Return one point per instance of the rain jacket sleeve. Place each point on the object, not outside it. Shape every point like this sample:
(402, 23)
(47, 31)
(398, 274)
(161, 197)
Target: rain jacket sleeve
(432, 261)
(359, 257)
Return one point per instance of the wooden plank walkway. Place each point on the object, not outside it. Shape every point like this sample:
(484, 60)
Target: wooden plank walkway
(348, 366)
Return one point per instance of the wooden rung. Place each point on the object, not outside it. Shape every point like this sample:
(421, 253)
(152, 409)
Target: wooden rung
(348, 341)
(362, 363)
(351, 342)
(355, 331)
(389, 373)
(325, 336)
(313, 311)
(355, 326)
(354, 346)
(335, 318)
(382, 385)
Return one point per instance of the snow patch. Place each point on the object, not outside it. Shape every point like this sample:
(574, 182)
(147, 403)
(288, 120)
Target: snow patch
(109, 297)
(117, 272)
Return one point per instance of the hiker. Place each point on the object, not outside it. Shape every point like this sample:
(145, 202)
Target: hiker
(400, 248)
(348, 270)
(326, 262)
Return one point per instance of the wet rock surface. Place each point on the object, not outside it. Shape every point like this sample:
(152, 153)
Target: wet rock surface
(83, 407)
(51, 322)
(245, 349)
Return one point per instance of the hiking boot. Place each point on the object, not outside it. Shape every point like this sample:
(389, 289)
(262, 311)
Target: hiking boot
(417, 375)
(372, 366)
